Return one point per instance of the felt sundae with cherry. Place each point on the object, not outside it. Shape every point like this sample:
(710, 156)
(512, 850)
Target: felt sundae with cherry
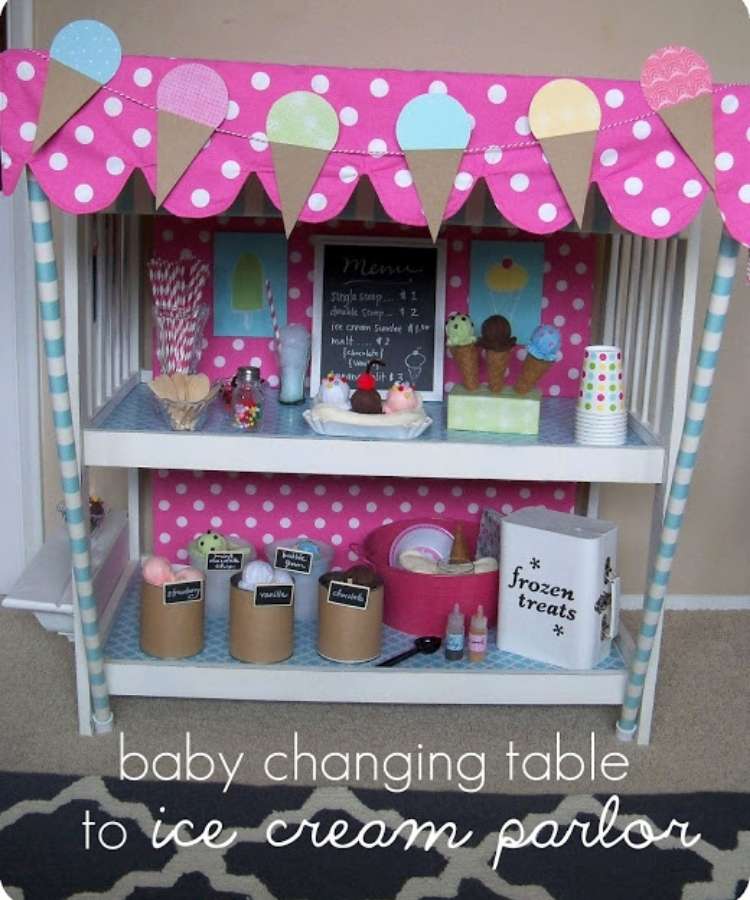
(364, 411)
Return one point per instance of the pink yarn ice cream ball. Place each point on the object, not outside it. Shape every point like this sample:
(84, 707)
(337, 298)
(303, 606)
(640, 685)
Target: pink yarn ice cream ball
(189, 573)
(401, 398)
(157, 571)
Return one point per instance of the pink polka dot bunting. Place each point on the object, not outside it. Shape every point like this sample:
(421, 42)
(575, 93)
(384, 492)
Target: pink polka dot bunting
(366, 103)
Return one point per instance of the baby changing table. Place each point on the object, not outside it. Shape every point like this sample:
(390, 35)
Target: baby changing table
(100, 169)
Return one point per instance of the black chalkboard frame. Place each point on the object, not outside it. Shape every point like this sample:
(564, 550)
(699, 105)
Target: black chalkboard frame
(320, 244)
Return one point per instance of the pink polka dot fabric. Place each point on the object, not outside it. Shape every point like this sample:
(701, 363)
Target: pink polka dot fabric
(651, 186)
(338, 511)
(342, 511)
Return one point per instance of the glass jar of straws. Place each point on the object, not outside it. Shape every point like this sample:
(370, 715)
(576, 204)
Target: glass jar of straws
(179, 313)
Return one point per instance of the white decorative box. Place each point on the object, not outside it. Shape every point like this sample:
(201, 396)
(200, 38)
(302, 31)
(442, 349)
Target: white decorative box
(558, 589)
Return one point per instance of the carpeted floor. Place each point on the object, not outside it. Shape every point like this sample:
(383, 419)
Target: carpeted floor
(700, 739)
(364, 847)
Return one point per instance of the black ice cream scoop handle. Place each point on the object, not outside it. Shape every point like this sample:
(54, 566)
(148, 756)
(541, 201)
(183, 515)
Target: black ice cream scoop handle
(425, 645)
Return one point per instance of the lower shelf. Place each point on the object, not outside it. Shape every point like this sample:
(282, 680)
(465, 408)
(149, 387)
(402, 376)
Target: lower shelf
(502, 678)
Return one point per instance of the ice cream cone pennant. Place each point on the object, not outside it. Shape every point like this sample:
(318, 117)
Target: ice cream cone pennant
(677, 84)
(564, 117)
(297, 170)
(84, 55)
(691, 124)
(302, 129)
(192, 100)
(434, 172)
(179, 141)
(65, 92)
(433, 130)
(570, 157)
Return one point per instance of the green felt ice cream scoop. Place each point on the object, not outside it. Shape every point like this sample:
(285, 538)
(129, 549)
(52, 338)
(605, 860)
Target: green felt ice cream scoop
(459, 331)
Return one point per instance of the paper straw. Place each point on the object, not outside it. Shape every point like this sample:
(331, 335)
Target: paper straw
(700, 394)
(272, 307)
(75, 513)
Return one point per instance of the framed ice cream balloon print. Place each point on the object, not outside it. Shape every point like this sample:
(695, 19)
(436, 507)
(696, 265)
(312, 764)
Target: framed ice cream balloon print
(242, 263)
(506, 280)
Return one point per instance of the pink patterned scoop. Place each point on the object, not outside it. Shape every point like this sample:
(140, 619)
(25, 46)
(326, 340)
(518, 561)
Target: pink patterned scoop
(674, 74)
(194, 92)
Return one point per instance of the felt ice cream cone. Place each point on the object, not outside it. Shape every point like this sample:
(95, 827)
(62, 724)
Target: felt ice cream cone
(460, 550)
(532, 372)
(497, 364)
(467, 360)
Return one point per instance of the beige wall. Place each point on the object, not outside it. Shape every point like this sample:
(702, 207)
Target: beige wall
(557, 37)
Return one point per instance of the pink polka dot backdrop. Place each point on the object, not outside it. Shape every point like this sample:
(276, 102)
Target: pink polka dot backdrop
(338, 511)
(342, 511)
(649, 183)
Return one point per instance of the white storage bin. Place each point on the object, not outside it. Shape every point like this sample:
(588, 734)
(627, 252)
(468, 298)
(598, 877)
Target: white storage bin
(558, 588)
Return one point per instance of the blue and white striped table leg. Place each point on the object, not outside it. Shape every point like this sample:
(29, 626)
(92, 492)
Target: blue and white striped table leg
(76, 512)
(703, 377)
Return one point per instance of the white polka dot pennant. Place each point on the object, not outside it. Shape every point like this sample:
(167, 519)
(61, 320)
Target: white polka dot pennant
(84, 55)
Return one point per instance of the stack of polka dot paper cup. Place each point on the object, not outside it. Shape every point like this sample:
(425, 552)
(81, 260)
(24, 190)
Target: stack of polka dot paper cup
(601, 415)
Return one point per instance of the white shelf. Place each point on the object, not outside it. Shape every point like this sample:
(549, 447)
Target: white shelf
(131, 434)
(213, 674)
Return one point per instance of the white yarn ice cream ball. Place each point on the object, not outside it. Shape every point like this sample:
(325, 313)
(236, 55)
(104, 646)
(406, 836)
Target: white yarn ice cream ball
(255, 573)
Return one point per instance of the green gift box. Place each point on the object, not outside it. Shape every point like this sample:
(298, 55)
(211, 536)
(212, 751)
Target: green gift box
(504, 413)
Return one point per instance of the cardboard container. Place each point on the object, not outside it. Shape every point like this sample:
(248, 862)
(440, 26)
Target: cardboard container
(258, 634)
(558, 588)
(217, 579)
(170, 630)
(346, 633)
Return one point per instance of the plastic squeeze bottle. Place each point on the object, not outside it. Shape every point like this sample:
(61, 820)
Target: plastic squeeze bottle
(454, 634)
(478, 636)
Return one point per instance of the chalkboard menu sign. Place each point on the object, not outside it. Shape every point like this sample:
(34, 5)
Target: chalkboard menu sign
(381, 298)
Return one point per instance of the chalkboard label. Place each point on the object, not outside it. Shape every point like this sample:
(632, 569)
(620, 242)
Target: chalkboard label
(224, 561)
(384, 299)
(293, 560)
(355, 596)
(274, 595)
(182, 592)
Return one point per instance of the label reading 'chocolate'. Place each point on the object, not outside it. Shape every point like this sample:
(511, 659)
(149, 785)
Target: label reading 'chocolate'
(293, 560)
(274, 595)
(183, 592)
(355, 596)
(224, 561)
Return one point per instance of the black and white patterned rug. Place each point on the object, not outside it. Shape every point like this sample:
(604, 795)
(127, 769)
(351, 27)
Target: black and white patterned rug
(43, 855)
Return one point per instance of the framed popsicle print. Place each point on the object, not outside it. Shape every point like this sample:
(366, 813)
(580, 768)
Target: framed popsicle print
(384, 298)
(242, 263)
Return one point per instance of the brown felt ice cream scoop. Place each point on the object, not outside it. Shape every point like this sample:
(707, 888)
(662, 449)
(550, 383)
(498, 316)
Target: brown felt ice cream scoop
(496, 335)
(366, 398)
